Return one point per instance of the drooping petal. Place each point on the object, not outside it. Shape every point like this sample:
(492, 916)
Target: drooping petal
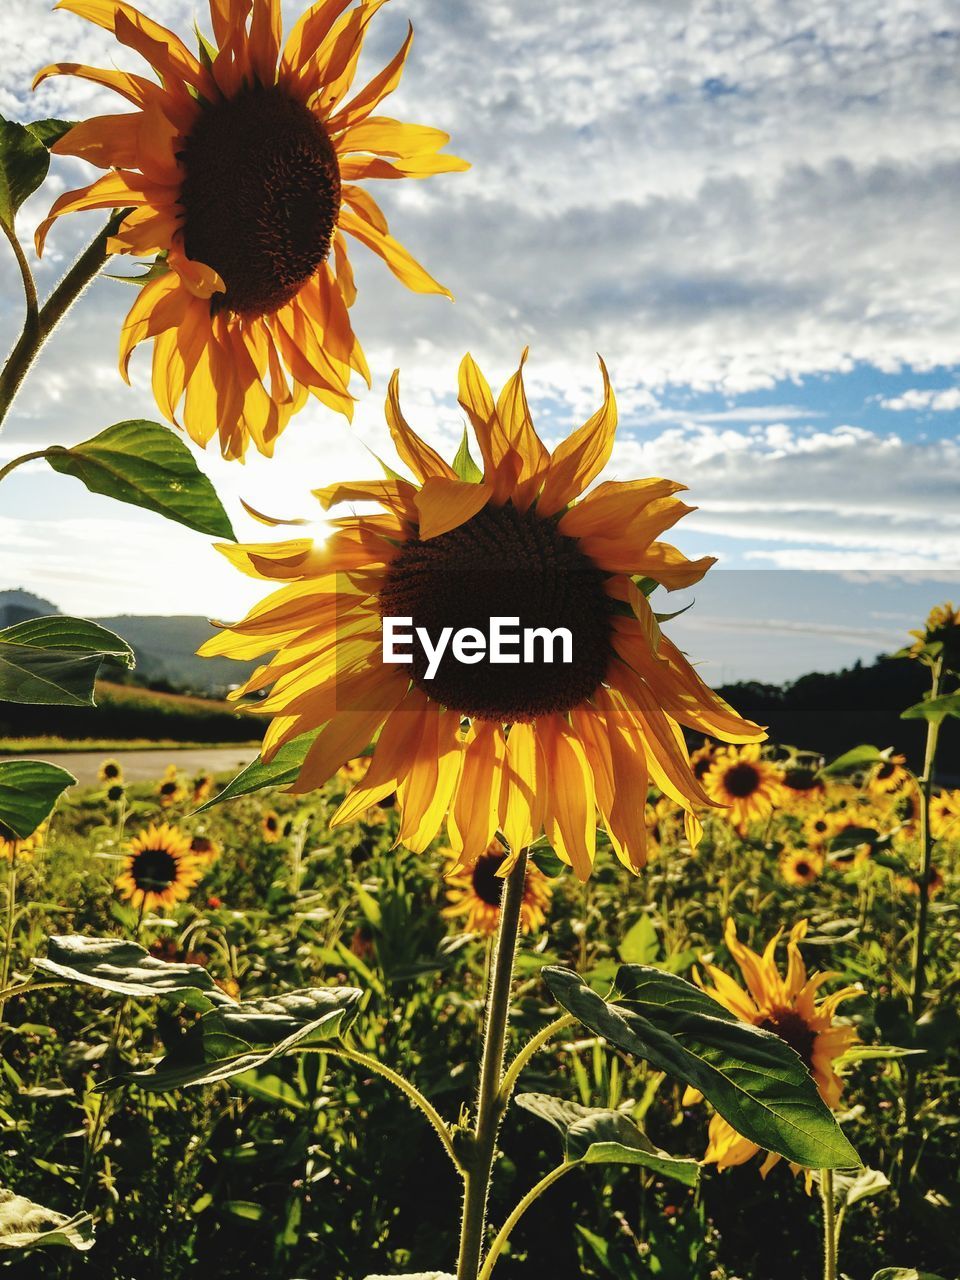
(582, 456)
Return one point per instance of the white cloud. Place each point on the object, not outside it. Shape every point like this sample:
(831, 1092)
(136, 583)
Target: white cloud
(914, 401)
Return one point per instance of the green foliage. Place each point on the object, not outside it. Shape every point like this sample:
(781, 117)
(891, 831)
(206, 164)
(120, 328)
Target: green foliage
(28, 791)
(851, 761)
(592, 1135)
(282, 770)
(936, 710)
(463, 463)
(25, 1225)
(50, 131)
(124, 968)
(55, 661)
(148, 466)
(23, 166)
(752, 1077)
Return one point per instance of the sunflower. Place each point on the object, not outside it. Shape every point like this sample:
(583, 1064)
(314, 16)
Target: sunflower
(799, 866)
(702, 759)
(911, 884)
(270, 827)
(170, 789)
(116, 793)
(204, 849)
(787, 1006)
(940, 638)
(354, 770)
(14, 850)
(519, 748)
(476, 894)
(944, 813)
(202, 786)
(802, 784)
(819, 826)
(159, 869)
(888, 777)
(751, 787)
(110, 771)
(907, 808)
(238, 172)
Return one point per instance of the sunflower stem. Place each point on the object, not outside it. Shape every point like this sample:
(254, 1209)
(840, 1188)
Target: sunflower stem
(919, 959)
(8, 934)
(490, 1106)
(503, 1235)
(529, 1049)
(829, 1225)
(29, 284)
(41, 325)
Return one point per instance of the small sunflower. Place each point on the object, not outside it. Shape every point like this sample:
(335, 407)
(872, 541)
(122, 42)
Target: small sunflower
(945, 814)
(271, 828)
(170, 789)
(476, 894)
(110, 771)
(202, 786)
(802, 784)
(116, 793)
(238, 172)
(159, 869)
(800, 867)
(750, 787)
(940, 638)
(520, 748)
(702, 759)
(14, 850)
(818, 827)
(205, 850)
(787, 1006)
(888, 777)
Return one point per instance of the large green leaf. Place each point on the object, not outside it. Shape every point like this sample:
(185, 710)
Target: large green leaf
(149, 466)
(50, 131)
(282, 769)
(125, 969)
(595, 1136)
(55, 661)
(856, 758)
(231, 1040)
(751, 1076)
(23, 166)
(934, 709)
(904, 1273)
(25, 1225)
(28, 791)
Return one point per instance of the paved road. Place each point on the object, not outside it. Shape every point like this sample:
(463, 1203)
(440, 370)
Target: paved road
(143, 766)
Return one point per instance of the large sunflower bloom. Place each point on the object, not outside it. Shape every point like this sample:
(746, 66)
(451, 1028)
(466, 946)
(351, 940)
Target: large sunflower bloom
(239, 169)
(789, 1007)
(159, 869)
(887, 777)
(750, 787)
(520, 749)
(476, 894)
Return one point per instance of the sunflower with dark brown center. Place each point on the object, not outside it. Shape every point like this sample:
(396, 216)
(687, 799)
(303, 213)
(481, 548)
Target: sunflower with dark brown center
(801, 867)
(474, 897)
(489, 747)
(159, 869)
(238, 170)
(790, 1008)
(750, 786)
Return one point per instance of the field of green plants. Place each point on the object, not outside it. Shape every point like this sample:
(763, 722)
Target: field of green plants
(311, 1164)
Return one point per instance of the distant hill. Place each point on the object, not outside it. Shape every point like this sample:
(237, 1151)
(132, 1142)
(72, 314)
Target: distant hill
(18, 605)
(166, 651)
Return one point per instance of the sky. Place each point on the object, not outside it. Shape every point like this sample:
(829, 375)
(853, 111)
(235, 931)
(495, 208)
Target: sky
(750, 210)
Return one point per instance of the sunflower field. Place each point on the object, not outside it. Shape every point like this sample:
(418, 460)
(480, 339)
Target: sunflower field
(509, 896)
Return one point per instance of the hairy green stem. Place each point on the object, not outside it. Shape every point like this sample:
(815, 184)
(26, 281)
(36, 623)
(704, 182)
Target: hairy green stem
(18, 462)
(38, 329)
(829, 1225)
(503, 1235)
(529, 1049)
(29, 284)
(919, 959)
(8, 934)
(372, 1064)
(490, 1105)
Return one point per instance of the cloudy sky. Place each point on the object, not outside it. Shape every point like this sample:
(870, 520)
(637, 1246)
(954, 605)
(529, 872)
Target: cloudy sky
(750, 209)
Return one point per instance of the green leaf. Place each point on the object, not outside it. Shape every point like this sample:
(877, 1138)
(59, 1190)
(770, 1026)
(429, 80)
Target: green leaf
(936, 710)
(641, 943)
(126, 969)
(25, 1225)
(592, 1135)
(55, 661)
(463, 463)
(904, 1273)
(50, 131)
(752, 1077)
(851, 1188)
(282, 769)
(857, 758)
(28, 791)
(235, 1039)
(149, 466)
(23, 166)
